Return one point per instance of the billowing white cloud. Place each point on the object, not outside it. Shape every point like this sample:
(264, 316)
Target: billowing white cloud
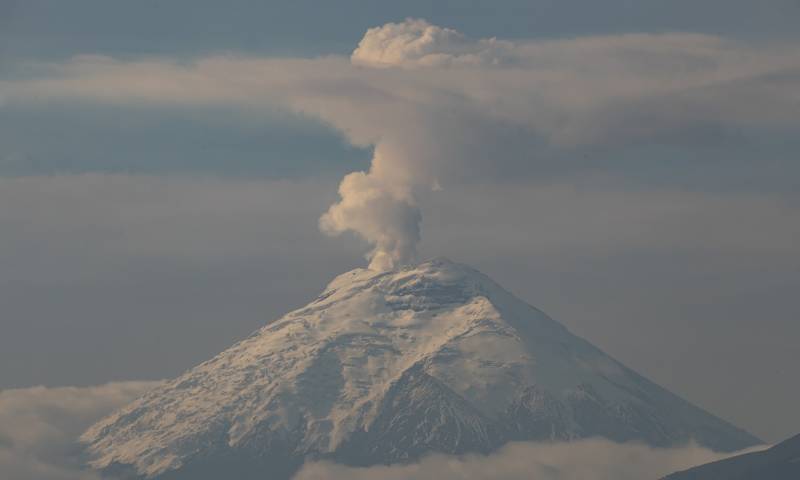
(40, 426)
(458, 110)
(417, 43)
(383, 213)
(594, 459)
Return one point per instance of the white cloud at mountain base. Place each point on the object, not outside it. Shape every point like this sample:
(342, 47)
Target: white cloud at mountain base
(40, 426)
(593, 459)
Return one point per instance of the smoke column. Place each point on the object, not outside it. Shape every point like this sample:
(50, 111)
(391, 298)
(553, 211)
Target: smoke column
(382, 211)
(379, 205)
(441, 108)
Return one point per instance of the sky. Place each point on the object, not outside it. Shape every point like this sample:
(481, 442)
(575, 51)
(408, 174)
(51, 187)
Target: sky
(629, 167)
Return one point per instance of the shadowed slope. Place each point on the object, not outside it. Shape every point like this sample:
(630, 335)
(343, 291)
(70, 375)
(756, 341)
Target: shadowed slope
(781, 462)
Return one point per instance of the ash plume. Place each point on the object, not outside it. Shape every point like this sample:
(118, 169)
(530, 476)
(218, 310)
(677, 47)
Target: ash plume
(441, 109)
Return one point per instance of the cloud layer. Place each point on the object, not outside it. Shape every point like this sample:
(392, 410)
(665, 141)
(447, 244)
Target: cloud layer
(442, 109)
(39, 427)
(587, 459)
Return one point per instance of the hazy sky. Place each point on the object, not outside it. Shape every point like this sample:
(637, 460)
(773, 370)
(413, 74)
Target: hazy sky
(641, 189)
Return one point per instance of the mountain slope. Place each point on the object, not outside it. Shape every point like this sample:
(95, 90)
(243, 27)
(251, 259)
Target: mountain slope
(384, 367)
(781, 462)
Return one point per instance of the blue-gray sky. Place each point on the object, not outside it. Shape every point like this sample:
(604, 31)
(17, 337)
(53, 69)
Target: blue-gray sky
(52, 28)
(143, 236)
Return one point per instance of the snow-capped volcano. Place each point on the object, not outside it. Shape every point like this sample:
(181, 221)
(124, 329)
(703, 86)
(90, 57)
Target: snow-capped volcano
(387, 366)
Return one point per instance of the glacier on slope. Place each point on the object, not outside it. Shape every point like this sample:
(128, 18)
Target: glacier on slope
(385, 367)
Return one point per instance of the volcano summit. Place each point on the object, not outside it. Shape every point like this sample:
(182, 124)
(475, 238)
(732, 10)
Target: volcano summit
(387, 366)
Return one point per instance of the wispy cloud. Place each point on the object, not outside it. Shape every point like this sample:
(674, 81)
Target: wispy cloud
(586, 459)
(40, 428)
(555, 88)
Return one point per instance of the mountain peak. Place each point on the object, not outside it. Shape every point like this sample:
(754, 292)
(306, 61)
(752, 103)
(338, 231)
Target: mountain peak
(440, 268)
(385, 366)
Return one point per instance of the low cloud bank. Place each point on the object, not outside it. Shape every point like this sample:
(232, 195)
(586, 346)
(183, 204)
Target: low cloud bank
(594, 459)
(39, 427)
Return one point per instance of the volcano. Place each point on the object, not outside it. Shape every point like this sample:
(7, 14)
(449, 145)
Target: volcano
(385, 367)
